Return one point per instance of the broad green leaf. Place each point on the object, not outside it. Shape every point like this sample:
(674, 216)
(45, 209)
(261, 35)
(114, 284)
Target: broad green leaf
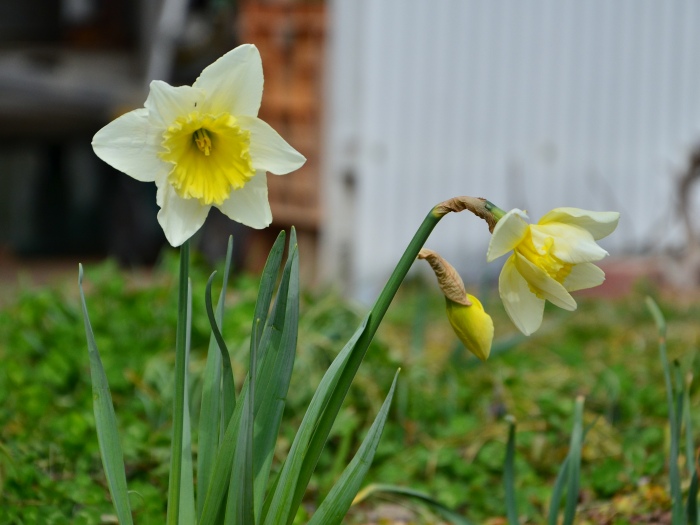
(106, 421)
(187, 506)
(558, 492)
(433, 504)
(179, 396)
(268, 279)
(209, 417)
(228, 388)
(221, 474)
(240, 505)
(334, 508)
(276, 374)
(278, 505)
(692, 508)
(509, 475)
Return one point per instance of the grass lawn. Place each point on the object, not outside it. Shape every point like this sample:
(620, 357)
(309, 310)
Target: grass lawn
(446, 433)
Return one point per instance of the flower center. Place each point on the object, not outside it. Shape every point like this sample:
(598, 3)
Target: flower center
(210, 156)
(544, 259)
(201, 138)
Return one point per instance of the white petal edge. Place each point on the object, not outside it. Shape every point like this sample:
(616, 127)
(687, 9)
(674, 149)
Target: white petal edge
(166, 103)
(572, 244)
(268, 150)
(234, 83)
(510, 230)
(584, 276)
(180, 218)
(524, 308)
(599, 223)
(250, 205)
(131, 145)
(548, 287)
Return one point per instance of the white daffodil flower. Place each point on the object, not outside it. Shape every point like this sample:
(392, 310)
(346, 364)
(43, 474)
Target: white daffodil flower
(203, 146)
(549, 260)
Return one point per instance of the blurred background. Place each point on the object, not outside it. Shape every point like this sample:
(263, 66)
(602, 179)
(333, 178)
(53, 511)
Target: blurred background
(397, 104)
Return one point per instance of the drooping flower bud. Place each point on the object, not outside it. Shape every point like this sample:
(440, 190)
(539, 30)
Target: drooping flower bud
(465, 312)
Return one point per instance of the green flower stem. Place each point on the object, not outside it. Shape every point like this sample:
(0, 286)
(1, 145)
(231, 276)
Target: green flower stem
(497, 212)
(179, 399)
(355, 360)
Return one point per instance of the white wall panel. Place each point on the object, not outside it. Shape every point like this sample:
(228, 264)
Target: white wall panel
(534, 105)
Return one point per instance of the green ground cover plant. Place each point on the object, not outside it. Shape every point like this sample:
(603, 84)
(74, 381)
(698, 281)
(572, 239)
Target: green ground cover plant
(446, 434)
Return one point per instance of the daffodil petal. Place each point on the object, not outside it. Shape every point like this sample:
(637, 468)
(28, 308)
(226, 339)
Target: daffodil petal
(269, 151)
(572, 244)
(180, 218)
(599, 223)
(524, 308)
(249, 205)
(549, 288)
(130, 145)
(509, 231)
(582, 276)
(165, 103)
(234, 83)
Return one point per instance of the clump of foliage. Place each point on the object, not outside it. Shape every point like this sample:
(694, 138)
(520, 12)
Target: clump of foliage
(446, 434)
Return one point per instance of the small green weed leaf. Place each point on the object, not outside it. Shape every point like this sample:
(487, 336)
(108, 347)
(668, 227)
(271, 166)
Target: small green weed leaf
(106, 421)
(334, 508)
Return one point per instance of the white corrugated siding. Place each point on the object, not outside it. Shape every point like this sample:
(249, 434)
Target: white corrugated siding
(535, 105)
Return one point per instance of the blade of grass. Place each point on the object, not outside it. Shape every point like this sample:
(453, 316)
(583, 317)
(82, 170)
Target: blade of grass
(689, 442)
(560, 482)
(209, 417)
(433, 504)
(333, 509)
(509, 474)
(187, 505)
(278, 504)
(574, 467)
(179, 396)
(106, 421)
(674, 475)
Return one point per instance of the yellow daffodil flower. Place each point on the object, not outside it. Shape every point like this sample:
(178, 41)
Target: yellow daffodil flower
(472, 325)
(549, 260)
(203, 146)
